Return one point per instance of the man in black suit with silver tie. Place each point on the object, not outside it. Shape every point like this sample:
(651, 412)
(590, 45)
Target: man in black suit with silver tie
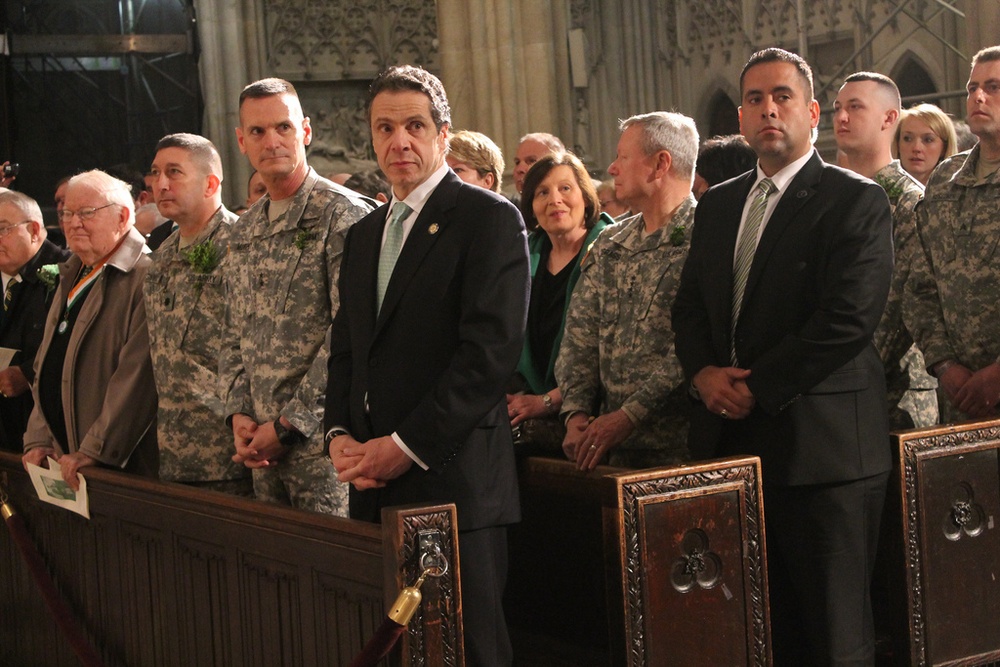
(434, 289)
(786, 281)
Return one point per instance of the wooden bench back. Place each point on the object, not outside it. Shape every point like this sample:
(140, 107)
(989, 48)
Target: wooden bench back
(163, 574)
(555, 599)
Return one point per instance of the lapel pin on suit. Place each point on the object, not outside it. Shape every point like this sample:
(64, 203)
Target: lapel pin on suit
(433, 229)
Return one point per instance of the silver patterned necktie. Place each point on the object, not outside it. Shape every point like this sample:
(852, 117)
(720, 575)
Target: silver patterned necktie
(390, 249)
(744, 255)
(8, 294)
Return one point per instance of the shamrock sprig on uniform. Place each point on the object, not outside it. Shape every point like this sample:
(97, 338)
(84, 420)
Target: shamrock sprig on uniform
(302, 239)
(893, 190)
(203, 257)
(677, 235)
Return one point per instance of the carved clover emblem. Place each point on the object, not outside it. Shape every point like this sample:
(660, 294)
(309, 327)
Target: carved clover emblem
(697, 565)
(964, 516)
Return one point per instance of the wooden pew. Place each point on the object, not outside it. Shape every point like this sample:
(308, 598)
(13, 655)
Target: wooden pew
(950, 495)
(687, 572)
(555, 600)
(163, 574)
(571, 574)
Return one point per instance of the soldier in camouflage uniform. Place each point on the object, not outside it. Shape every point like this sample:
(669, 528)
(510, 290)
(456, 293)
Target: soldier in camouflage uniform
(623, 388)
(185, 305)
(865, 116)
(281, 275)
(951, 303)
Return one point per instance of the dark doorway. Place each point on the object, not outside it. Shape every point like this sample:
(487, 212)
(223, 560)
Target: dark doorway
(913, 80)
(723, 117)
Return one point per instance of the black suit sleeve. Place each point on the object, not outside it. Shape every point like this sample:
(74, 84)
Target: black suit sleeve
(493, 309)
(689, 315)
(32, 307)
(855, 270)
(338, 383)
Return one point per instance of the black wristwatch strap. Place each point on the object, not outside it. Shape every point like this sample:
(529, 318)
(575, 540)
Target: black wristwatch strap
(286, 436)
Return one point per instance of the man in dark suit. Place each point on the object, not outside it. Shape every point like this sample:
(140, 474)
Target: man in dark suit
(423, 346)
(24, 249)
(786, 281)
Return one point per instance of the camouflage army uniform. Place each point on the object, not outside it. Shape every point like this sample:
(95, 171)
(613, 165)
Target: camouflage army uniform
(281, 280)
(618, 346)
(185, 307)
(904, 367)
(951, 303)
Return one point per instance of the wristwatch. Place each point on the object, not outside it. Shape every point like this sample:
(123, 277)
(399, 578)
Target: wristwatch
(287, 436)
(940, 367)
(547, 400)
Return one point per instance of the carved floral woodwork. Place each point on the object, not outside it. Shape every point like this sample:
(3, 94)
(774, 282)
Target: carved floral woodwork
(951, 499)
(443, 618)
(714, 502)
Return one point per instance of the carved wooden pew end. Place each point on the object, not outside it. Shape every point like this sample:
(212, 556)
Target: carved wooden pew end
(687, 580)
(950, 485)
(413, 536)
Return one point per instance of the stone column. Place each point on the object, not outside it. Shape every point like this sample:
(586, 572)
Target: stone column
(505, 65)
(982, 24)
(230, 33)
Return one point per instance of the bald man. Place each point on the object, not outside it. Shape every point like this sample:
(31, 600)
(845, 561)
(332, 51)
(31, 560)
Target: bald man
(530, 149)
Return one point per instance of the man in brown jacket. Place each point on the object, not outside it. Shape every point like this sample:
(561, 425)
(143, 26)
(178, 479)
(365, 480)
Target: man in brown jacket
(96, 340)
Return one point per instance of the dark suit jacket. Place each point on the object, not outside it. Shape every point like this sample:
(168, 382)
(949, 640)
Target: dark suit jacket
(816, 290)
(434, 363)
(159, 234)
(22, 329)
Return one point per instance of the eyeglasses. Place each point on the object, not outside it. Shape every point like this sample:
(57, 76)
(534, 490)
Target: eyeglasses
(85, 214)
(7, 229)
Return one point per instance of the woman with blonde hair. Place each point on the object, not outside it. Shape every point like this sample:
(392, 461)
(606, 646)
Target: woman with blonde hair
(476, 159)
(925, 136)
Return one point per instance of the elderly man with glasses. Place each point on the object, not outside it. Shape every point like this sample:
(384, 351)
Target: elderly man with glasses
(24, 250)
(95, 400)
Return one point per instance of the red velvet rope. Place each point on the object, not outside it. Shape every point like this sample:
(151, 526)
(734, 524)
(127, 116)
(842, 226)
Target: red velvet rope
(380, 644)
(61, 612)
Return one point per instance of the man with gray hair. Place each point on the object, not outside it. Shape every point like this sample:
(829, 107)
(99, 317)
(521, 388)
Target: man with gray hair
(186, 305)
(618, 350)
(28, 265)
(95, 398)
